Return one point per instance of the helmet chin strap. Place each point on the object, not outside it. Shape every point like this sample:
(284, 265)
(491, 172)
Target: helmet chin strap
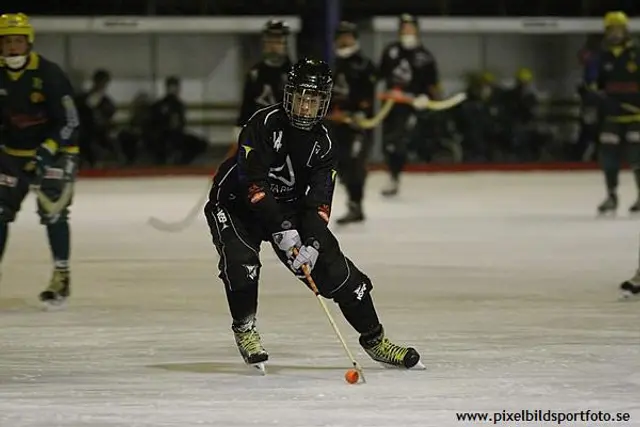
(16, 62)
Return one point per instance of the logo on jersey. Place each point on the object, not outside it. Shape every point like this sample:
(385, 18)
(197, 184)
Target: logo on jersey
(277, 140)
(266, 97)
(403, 73)
(284, 173)
(341, 86)
(285, 177)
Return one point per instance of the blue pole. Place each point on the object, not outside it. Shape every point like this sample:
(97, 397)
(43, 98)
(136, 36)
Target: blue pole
(332, 20)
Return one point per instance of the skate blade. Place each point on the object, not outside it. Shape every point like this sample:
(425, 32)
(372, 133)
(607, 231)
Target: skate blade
(417, 367)
(54, 305)
(260, 367)
(607, 215)
(628, 296)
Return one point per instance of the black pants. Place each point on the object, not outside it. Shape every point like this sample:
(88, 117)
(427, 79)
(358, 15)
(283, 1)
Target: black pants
(396, 134)
(15, 182)
(353, 147)
(619, 142)
(237, 238)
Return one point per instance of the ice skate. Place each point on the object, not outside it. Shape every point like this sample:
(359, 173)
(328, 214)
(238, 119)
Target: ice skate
(390, 355)
(250, 346)
(634, 209)
(353, 215)
(631, 288)
(392, 187)
(57, 292)
(609, 206)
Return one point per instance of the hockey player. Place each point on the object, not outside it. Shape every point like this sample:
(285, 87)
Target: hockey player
(613, 77)
(278, 188)
(408, 67)
(353, 95)
(39, 122)
(265, 80)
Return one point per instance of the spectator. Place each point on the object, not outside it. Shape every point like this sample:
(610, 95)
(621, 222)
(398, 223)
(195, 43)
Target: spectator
(170, 142)
(137, 133)
(96, 110)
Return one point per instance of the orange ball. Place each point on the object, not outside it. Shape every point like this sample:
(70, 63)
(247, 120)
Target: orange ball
(351, 376)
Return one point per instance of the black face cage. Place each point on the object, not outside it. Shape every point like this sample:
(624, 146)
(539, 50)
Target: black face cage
(316, 102)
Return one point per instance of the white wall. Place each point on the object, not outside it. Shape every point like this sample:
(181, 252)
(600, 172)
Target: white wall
(212, 66)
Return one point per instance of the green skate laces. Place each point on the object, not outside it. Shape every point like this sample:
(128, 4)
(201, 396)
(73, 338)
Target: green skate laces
(249, 341)
(386, 351)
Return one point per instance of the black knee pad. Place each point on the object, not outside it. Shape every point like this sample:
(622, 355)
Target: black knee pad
(354, 290)
(240, 270)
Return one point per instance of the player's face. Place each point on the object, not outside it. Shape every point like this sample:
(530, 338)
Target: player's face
(345, 40)
(275, 45)
(409, 35)
(307, 103)
(15, 46)
(408, 29)
(616, 33)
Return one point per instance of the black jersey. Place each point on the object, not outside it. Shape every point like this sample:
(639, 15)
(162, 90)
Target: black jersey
(412, 71)
(263, 86)
(354, 84)
(36, 105)
(277, 167)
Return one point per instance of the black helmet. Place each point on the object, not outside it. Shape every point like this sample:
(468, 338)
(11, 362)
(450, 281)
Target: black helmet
(407, 18)
(276, 28)
(274, 35)
(346, 27)
(307, 92)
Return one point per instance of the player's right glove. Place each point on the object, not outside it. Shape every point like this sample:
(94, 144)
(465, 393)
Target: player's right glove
(307, 255)
(287, 241)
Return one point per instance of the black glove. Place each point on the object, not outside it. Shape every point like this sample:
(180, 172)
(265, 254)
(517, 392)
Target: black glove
(44, 157)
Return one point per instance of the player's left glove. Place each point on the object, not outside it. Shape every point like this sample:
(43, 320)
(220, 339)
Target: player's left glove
(44, 157)
(307, 254)
(420, 102)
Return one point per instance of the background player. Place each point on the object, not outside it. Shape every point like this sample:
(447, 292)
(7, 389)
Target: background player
(264, 83)
(39, 122)
(278, 188)
(408, 67)
(613, 77)
(353, 95)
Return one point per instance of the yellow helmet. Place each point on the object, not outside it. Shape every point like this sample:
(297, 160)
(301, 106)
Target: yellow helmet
(524, 75)
(616, 18)
(16, 24)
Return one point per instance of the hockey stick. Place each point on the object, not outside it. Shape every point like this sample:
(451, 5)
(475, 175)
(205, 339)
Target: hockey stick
(432, 104)
(314, 288)
(50, 206)
(54, 207)
(630, 108)
(184, 223)
(370, 122)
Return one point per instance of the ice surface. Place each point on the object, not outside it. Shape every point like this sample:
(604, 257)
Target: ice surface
(507, 284)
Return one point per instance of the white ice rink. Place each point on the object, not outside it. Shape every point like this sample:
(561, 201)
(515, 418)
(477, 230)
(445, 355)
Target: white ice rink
(507, 285)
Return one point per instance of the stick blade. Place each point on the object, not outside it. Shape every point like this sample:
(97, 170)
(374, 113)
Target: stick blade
(171, 227)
